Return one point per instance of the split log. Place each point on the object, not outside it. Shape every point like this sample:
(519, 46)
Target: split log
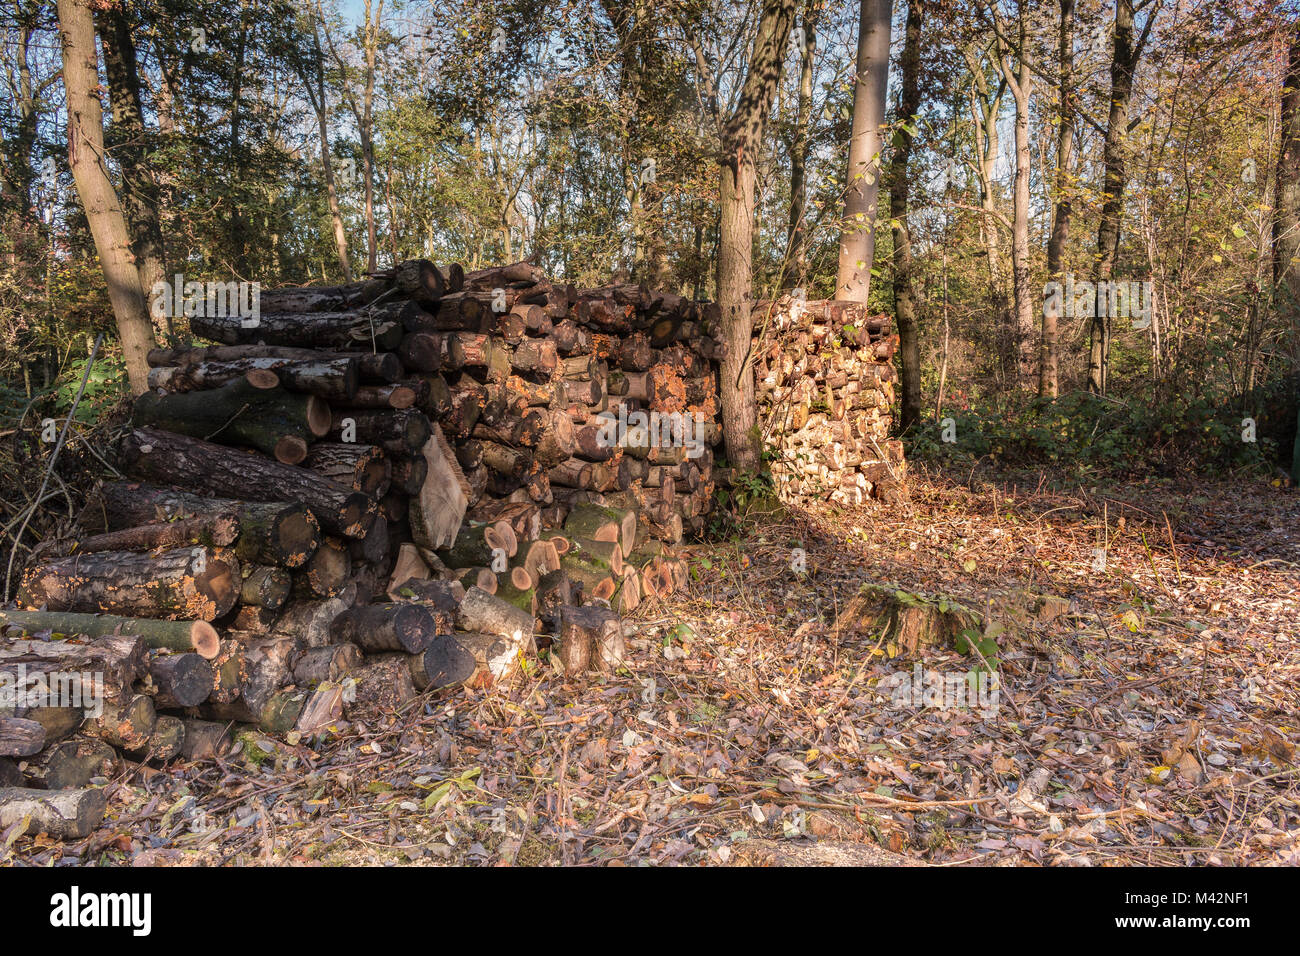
(20, 737)
(600, 523)
(214, 469)
(184, 583)
(198, 636)
(436, 512)
(358, 466)
(323, 707)
(87, 672)
(63, 814)
(126, 723)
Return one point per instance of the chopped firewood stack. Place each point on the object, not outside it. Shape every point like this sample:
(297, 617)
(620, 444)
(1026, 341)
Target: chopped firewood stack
(825, 387)
(371, 490)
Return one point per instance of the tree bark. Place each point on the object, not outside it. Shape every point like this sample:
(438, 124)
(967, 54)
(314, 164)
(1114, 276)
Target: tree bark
(186, 583)
(1049, 385)
(129, 136)
(180, 636)
(909, 105)
(217, 470)
(742, 141)
(862, 183)
(274, 532)
(1127, 52)
(1286, 222)
(95, 189)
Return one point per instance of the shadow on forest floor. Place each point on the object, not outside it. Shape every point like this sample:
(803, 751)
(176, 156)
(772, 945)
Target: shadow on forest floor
(1153, 724)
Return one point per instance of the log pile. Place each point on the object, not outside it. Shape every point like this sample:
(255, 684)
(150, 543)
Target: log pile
(824, 380)
(405, 483)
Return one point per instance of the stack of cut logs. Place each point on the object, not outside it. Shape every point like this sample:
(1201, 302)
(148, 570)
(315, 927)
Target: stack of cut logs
(363, 492)
(825, 385)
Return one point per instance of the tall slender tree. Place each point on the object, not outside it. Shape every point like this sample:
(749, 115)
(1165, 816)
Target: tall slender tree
(1066, 122)
(862, 184)
(1286, 220)
(1012, 59)
(742, 134)
(1123, 68)
(128, 142)
(906, 118)
(95, 189)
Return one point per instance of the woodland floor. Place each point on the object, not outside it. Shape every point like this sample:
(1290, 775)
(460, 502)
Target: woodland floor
(1155, 724)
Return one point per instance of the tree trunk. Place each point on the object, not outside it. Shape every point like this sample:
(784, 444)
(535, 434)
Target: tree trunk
(1021, 84)
(909, 105)
(95, 189)
(1049, 356)
(315, 87)
(1124, 62)
(795, 268)
(128, 133)
(1286, 223)
(742, 140)
(858, 233)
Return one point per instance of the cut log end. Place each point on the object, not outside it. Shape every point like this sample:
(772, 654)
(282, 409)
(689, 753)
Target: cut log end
(290, 450)
(319, 418)
(207, 642)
